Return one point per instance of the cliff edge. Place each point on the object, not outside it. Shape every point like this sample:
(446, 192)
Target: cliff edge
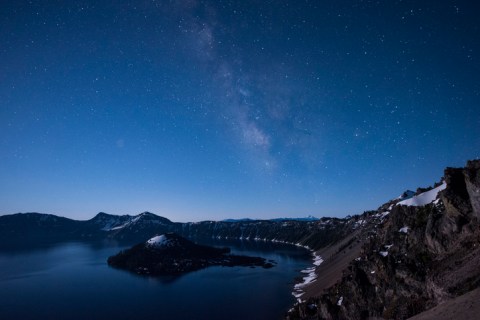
(415, 254)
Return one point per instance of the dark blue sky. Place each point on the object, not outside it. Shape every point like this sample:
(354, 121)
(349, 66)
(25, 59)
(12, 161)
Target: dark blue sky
(201, 110)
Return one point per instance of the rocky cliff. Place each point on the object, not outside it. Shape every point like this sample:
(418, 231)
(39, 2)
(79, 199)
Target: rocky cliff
(417, 253)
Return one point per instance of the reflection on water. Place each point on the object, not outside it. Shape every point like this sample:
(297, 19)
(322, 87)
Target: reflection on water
(73, 281)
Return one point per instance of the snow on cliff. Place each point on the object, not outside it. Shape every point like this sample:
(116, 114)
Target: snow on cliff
(423, 198)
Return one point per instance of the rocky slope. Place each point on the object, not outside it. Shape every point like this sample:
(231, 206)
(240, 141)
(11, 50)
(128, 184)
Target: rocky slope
(417, 253)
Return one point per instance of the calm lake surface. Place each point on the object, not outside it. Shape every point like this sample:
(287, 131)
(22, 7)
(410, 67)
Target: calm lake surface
(73, 281)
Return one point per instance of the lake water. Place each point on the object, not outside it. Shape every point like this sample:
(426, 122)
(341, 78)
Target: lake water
(73, 281)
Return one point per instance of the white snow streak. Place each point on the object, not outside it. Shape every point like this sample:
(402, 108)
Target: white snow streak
(340, 301)
(158, 241)
(404, 229)
(309, 278)
(423, 198)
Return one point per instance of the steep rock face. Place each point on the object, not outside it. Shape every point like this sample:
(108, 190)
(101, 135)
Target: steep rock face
(472, 183)
(457, 219)
(416, 258)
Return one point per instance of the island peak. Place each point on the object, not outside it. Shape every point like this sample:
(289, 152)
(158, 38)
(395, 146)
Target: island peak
(171, 254)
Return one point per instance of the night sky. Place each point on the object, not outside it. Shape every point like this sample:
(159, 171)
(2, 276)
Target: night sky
(199, 110)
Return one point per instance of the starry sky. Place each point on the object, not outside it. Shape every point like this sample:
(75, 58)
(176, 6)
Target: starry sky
(199, 110)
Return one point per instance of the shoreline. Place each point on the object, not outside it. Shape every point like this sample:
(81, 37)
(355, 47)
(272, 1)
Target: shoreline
(329, 263)
(311, 277)
(299, 288)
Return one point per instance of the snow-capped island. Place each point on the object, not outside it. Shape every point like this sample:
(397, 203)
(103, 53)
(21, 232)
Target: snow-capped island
(171, 254)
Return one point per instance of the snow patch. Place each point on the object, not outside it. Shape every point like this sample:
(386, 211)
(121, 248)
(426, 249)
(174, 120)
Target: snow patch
(382, 215)
(359, 223)
(423, 198)
(117, 227)
(159, 241)
(404, 229)
(317, 260)
(340, 301)
(309, 278)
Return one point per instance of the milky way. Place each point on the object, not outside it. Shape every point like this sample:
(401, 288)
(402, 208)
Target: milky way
(201, 110)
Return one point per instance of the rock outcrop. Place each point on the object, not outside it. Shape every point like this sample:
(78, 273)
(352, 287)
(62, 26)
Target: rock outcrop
(414, 259)
(472, 183)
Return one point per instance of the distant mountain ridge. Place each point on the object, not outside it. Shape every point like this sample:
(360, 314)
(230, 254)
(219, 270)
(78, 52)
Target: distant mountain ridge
(36, 227)
(307, 218)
